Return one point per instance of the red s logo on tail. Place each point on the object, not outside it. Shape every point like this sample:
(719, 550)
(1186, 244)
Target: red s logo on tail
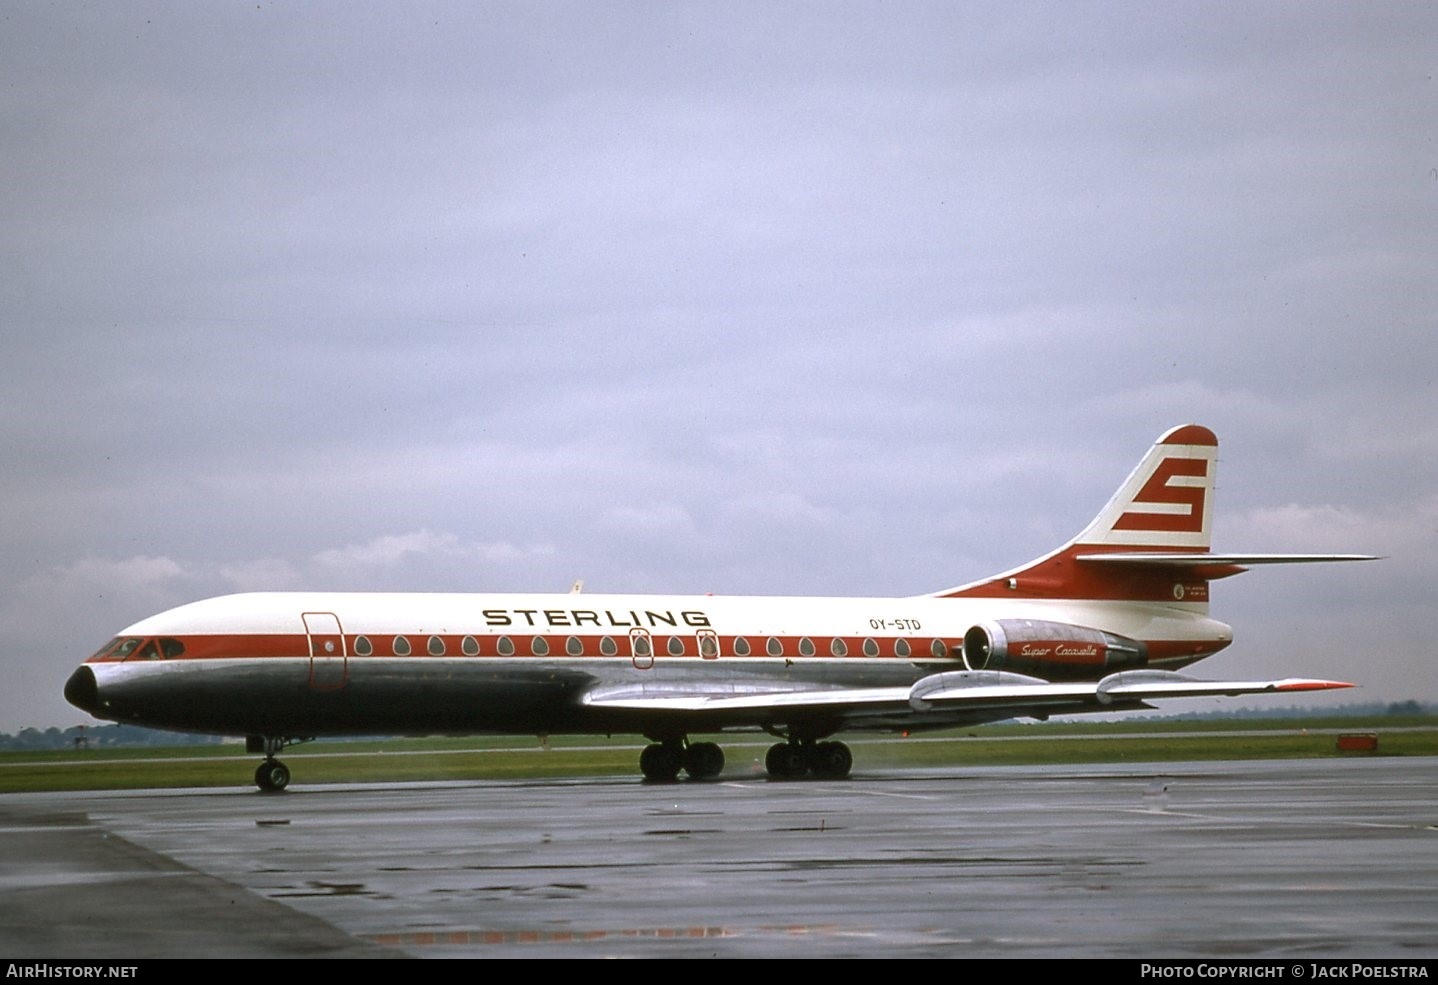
(1158, 491)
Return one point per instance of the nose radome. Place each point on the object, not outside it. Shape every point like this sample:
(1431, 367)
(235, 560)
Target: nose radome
(82, 691)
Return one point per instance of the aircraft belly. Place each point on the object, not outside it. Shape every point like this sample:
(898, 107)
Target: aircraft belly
(283, 696)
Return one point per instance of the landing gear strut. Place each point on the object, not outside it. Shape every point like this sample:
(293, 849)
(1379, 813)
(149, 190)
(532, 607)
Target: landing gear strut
(661, 762)
(271, 776)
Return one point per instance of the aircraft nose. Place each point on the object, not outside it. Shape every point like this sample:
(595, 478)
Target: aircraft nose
(82, 691)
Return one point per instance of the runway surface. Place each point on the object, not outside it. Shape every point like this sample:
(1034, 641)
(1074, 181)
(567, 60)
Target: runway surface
(1285, 859)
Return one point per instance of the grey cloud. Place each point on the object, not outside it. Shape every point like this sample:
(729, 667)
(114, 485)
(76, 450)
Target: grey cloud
(846, 298)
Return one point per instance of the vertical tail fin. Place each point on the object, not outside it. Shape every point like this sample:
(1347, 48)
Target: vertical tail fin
(1149, 544)
(1164, 510)
(1166, 504)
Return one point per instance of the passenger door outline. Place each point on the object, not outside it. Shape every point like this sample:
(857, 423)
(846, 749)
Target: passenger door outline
(641, 649)
(329, 657)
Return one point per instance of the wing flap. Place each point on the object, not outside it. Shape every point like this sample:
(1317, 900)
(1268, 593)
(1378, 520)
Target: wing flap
(652, 697)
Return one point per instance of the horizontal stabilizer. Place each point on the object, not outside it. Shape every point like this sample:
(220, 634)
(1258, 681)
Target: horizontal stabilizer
(1189, 560)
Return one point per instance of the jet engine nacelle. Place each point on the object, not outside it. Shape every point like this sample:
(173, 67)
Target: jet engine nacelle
(1053, 650)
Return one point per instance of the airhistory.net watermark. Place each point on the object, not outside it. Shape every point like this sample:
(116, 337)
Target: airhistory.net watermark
(68, 969)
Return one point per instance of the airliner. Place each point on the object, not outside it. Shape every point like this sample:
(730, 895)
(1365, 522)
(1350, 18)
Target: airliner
(1103, 623)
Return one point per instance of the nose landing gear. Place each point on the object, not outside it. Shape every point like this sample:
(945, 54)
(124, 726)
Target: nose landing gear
(271, 776)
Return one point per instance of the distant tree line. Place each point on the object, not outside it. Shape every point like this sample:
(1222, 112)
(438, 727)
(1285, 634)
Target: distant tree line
(1371, 710)
(98, 737)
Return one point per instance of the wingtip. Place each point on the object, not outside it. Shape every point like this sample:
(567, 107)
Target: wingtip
(1313, 685)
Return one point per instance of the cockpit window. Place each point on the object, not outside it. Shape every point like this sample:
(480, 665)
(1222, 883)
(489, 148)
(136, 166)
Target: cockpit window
(104, 649)
(127, 646)
(139, 648)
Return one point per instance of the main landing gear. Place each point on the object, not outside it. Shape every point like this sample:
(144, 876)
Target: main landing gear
(796, 758)
(662, 761)
(271, 776)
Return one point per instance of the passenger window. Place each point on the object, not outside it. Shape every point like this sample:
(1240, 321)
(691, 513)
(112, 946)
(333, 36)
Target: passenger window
(506, 646)
(469, 646)
(573, 647)
(363, 647)
(676, 646)
(435, 646)
(774, 648)
(838, 647)
(608, 647)
(901, 648)
(939, 648)
(539, 646)
(741, 646)
(806, 647)
(641, 646)
(871, 649)
(401, 646)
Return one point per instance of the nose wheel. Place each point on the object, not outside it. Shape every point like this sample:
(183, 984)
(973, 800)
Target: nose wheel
(272, 776)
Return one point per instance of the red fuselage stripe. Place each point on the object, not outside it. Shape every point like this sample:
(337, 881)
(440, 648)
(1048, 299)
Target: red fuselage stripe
(292, 645)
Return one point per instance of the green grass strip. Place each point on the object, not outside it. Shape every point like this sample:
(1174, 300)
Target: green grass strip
(513, 758)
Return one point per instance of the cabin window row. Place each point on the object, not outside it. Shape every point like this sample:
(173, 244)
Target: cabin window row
(640, 646)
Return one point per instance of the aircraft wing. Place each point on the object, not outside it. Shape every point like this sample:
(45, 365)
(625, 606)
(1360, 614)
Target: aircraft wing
(952, 698)
(964, 687)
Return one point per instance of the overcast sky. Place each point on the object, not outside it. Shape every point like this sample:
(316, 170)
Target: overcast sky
(774, 298)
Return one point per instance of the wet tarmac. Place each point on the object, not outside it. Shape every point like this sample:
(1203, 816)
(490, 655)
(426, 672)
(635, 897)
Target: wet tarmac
(1326, 858)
